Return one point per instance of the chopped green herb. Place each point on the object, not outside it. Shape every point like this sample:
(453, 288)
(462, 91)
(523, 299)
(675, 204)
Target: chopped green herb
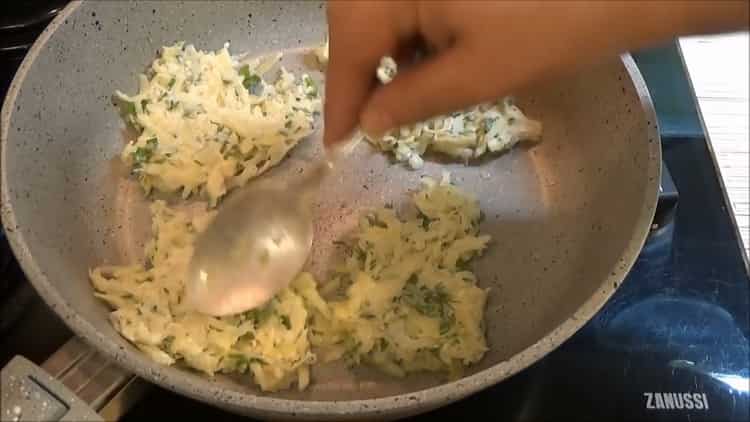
(167, 342)
(128, 108)
(359, 253)
(311, 88)
(242, 363)
(256, 360)
(259, 315)
(446, 324)
(142, 155)
(171, 83)
(463, 265)
(234, 152)
(244, 71)
(425, 220)
(285, 321)
(433, 303)
(251, 82)
(246, 337)
(488, 123)
(351, 355)
(383, 343)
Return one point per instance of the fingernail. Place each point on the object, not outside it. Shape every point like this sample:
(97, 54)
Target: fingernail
(375, 123)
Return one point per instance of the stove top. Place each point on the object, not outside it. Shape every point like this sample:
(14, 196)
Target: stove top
(670, 345)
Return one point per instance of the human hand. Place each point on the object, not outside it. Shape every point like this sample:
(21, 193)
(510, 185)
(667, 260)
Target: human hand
(483, 50)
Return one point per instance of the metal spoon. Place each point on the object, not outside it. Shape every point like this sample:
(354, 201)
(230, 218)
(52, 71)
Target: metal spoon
(258, 242)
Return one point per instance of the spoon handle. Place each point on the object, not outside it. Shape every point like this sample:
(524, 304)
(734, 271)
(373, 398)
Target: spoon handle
(333, 155)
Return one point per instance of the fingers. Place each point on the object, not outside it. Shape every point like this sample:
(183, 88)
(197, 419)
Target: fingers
(449, 81)
(359, 34)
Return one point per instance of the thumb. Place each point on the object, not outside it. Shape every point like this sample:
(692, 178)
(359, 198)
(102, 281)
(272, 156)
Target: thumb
(451, 80)
(359, 34)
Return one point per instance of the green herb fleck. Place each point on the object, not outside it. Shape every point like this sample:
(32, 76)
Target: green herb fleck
(142, 155)
(259, 315)
(128, 108)
(433, 303)
(166, 344)
(488, 123)
(244, 71)
(383, 343)
(310, 87)
(246, 337)
(285, 321)
(251, 82)
(234, 152)
(242, 363)
(171, 83)
(425, 221)
(351, 355)
(359, 253)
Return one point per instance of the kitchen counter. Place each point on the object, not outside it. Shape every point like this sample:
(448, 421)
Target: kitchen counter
(718, 70)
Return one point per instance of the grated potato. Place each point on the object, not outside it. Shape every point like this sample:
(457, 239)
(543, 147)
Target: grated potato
(208, 123)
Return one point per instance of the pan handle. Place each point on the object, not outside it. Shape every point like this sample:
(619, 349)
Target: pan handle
(75, 384)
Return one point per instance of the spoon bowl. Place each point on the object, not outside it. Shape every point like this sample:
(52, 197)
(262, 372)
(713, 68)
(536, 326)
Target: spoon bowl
(258, 242)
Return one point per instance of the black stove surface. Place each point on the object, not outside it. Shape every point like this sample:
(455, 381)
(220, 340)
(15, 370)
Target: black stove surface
(670, 345)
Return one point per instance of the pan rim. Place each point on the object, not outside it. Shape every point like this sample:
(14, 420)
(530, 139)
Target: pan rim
(209, 391)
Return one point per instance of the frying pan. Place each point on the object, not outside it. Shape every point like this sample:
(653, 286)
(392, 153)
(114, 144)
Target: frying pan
(568, 216)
